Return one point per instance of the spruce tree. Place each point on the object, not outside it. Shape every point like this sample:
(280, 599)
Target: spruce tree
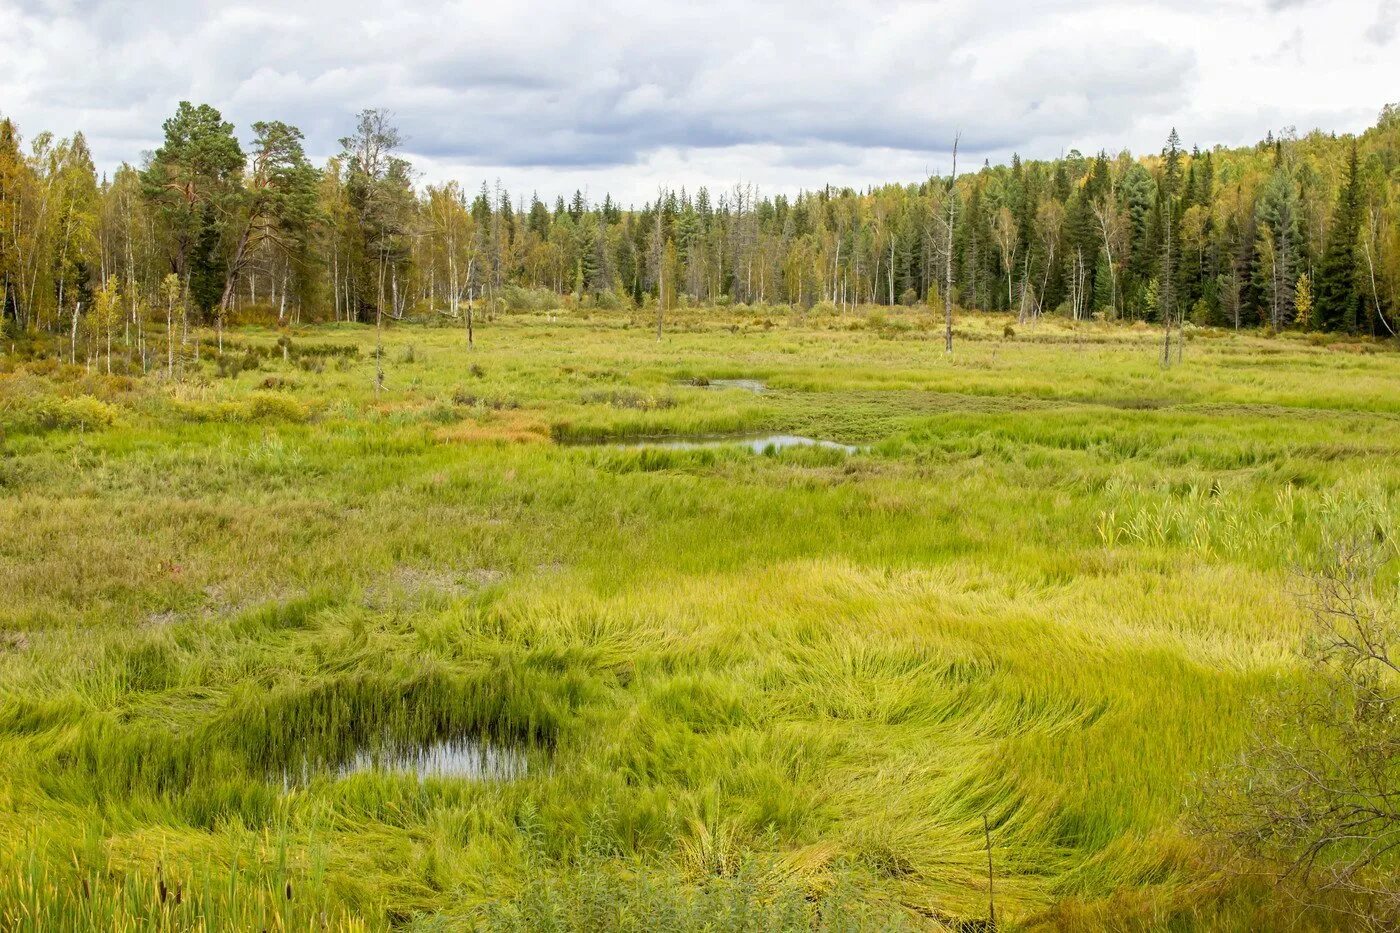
(206, 264)
(1337, 296)
(1277, 247)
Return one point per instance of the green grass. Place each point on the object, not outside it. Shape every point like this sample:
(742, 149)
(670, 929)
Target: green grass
(758, 691)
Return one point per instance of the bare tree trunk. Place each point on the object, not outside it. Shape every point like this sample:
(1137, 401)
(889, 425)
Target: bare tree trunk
(892, 301)
(185, 326)
(948, 276)
(379, 330)
(1025, 285)
(660, 304)
(1371, 265)
(835, 267)
(73, 350)
(282, 309)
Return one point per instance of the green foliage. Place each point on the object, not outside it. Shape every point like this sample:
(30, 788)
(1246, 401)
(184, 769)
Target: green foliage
(1338, 298)
(50, 412)
(272, 406)
(1224, 233)
(192, 181)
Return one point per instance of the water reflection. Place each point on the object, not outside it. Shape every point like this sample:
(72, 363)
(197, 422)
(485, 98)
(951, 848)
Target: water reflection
(757, 443)
(756, 386)
(472, 759)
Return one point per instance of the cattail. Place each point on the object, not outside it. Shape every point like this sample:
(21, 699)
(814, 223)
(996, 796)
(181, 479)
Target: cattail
(289, 890)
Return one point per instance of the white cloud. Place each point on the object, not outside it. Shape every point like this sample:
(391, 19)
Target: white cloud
(626, 95)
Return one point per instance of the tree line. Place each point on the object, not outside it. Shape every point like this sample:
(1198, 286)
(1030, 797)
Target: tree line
(1295, 231)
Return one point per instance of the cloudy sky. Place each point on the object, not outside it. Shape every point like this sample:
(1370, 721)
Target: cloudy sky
(627, 96)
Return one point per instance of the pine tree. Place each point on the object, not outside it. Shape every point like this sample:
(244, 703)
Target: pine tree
(191, 180)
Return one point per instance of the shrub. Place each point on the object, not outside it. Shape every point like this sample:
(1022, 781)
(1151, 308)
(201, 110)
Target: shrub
(517, 298)
(84, 411)
(51, 412)
(267, 406)
(611, 301)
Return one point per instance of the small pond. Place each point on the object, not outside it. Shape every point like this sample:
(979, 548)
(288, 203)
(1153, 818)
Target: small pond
(468, 758)
(757, 443)
(756, 386)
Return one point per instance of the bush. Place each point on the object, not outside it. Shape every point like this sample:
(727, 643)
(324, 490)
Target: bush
(518, 298)
(230, 365)
(612, 301)
(51, 412)
(84, 411)
(267, 406)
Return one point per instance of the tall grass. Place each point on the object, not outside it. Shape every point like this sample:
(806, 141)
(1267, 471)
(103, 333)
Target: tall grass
(760, 691)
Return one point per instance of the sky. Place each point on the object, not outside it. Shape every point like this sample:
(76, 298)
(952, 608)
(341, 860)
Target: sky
(629, 96)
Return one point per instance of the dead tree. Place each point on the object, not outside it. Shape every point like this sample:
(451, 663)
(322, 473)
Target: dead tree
(948, 270)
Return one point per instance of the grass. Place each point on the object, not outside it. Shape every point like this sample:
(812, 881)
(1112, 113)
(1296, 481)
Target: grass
(759, 691)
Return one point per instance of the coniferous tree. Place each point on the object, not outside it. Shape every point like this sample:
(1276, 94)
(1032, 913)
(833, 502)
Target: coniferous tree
(1337, 296)
(190, 181)
(1277, 247)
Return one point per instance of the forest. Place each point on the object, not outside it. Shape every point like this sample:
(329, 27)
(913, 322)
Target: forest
(1293, 232)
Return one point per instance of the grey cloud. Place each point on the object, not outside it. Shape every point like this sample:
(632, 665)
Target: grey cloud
(1383, 30)
(548, 83)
